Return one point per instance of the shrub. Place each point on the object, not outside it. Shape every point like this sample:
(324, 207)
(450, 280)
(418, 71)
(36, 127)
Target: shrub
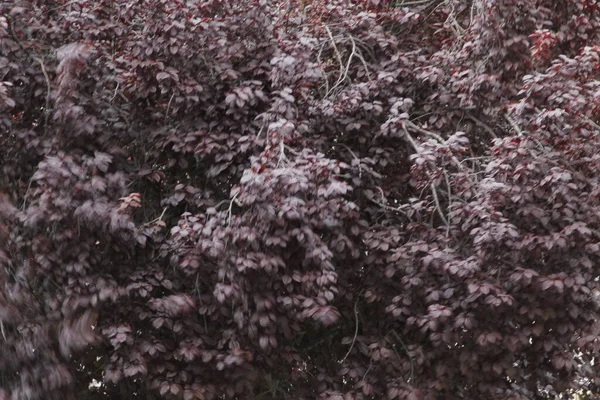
(326, 199)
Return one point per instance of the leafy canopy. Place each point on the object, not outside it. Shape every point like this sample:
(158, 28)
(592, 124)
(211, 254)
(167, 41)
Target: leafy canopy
(325, 199)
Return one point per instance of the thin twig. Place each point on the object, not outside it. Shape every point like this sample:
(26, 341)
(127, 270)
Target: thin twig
(282, 156)
(355, 328)
(360, 57)
(169, 105)
(343, 71)
(264, 124)
(230, 208)
(438, 206)
(353, 155)
(384, 205)
(416, 2)
(458, 30)
(368, 369)
(411, 140)
(449, 200)
(324, 73)
(432, 186)
(412, 368)
(115, 94)
(26, 195)
(385, 201)
(396, 209)
(471, 14)
(159, 218)
(425, 131)
(291, 150)
(337, 52)
(440, 139)
(514, 125)
(49, 88)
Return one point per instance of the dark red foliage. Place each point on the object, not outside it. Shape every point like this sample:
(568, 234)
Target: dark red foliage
(326, 199)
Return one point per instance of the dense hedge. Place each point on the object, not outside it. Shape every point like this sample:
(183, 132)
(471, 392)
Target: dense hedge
(328, 199)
